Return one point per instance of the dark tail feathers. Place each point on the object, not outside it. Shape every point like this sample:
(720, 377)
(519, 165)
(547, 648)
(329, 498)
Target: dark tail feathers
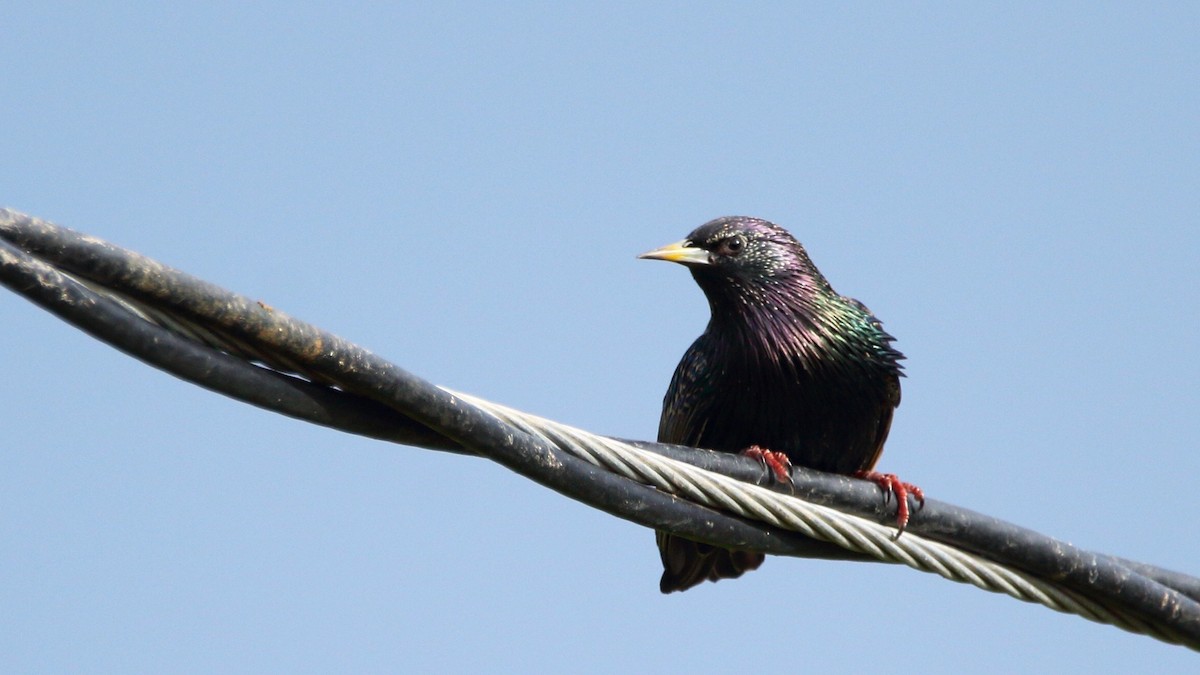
(687, 563)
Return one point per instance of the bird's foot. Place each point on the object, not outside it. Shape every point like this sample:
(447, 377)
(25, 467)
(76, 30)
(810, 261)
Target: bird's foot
(891, 484)
(777, 462)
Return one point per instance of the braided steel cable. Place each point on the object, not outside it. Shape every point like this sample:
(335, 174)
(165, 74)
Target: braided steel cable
(820, 522)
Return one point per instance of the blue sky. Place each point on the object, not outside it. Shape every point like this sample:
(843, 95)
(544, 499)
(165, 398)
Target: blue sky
(1011, 188)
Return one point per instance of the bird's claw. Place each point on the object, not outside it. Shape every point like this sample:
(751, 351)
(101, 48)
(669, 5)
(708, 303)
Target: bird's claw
(891, 484)
(777, 462)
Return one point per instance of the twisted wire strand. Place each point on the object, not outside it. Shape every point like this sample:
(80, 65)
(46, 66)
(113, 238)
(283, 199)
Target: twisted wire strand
(814, 520)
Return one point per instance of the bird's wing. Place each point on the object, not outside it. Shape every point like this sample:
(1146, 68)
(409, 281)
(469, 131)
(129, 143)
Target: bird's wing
(686, 405)
(884, 422)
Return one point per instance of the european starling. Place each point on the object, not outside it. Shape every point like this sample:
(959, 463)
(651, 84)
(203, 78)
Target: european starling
(787, 370)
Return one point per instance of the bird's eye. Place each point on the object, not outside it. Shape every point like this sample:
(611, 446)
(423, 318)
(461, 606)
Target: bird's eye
(732, 246)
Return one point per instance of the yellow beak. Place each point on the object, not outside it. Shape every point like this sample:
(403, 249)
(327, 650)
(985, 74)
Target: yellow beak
(681, 252)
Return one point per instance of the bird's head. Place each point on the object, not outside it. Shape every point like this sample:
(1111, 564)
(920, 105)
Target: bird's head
(744, 257)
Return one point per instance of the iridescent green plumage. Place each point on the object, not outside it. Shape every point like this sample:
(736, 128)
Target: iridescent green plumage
(786, 363)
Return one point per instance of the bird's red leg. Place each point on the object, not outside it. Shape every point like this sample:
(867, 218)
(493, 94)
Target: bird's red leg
(777, 462)
(892, 484)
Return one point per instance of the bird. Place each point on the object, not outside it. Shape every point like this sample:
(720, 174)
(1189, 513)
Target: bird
(787, 371)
